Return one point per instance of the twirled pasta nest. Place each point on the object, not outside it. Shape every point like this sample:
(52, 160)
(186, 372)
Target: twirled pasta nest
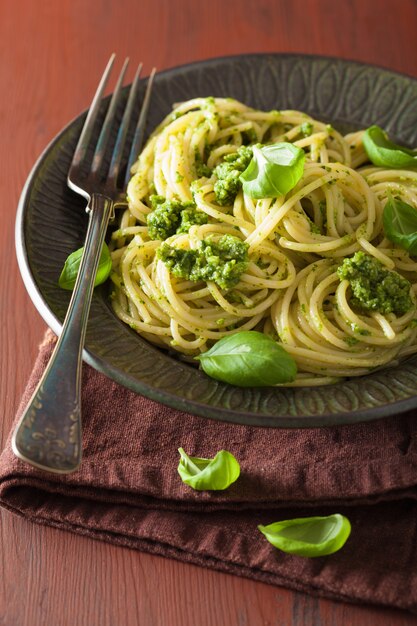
(290, 288)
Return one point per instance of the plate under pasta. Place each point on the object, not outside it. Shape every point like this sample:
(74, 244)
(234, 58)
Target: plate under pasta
(290, 288)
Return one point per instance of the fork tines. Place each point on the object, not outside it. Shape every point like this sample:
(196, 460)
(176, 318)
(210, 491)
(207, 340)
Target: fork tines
(99, 167)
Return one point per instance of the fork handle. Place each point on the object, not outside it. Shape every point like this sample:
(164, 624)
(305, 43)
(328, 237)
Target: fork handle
(48, 435)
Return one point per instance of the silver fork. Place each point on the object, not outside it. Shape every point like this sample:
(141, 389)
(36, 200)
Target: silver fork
(48, 435)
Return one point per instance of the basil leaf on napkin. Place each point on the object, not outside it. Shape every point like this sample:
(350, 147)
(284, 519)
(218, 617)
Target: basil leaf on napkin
(385, 153)
(248, 359)
(309, 536)
(72, 265)
(208, 474)
(273, 171)
(400, 224)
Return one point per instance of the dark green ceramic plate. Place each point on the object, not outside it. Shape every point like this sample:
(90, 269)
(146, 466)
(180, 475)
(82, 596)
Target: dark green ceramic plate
(51, 223)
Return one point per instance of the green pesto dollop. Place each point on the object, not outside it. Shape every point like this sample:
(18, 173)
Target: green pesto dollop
(374, 287)
(222, 262)
(228, 172)
(170, 217)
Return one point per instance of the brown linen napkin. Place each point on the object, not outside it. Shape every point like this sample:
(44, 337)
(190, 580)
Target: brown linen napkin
(128, 492)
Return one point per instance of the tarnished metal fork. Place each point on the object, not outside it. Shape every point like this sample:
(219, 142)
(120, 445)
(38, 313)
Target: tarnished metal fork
(48, 435)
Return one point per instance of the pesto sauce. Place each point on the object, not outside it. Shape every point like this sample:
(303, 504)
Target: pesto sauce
(222, 262)
(201, 169)
(228, 172)
(306, 129)
(375, 288)
(170, 217)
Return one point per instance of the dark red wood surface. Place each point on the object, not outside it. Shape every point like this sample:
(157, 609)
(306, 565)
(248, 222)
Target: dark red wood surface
(52, 52)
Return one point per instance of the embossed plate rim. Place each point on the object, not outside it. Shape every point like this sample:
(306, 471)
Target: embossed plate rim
(164, 395)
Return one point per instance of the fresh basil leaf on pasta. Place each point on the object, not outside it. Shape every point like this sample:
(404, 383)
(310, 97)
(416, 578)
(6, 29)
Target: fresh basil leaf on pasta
(385, 153)
(208, 474)
(248, 359)
(400, 224)
(273, 171)
(309, 536)
(72, 265)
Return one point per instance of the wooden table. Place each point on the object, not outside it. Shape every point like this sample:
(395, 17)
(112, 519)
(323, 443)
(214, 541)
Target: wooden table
(52, 52)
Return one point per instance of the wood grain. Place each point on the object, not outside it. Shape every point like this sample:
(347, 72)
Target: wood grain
(51, 54)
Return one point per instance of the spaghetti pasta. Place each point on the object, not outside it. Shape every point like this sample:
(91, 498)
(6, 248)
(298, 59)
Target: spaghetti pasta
(289, 288)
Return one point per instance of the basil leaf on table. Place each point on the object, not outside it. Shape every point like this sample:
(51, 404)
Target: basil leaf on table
(273, 171)
(72, 265)
(208, 474)
(248, 359)
(385, 153)
(400, 224)
(309, 536)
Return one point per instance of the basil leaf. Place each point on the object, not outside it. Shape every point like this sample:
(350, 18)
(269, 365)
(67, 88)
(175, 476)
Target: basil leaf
(72, 265)
(273, 171)
(208, 474)
(400, 224)
(309, 536)
(385, 153)
(248, 359)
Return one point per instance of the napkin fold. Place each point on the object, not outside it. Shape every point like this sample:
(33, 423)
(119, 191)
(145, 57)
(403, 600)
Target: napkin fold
(128, 492)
